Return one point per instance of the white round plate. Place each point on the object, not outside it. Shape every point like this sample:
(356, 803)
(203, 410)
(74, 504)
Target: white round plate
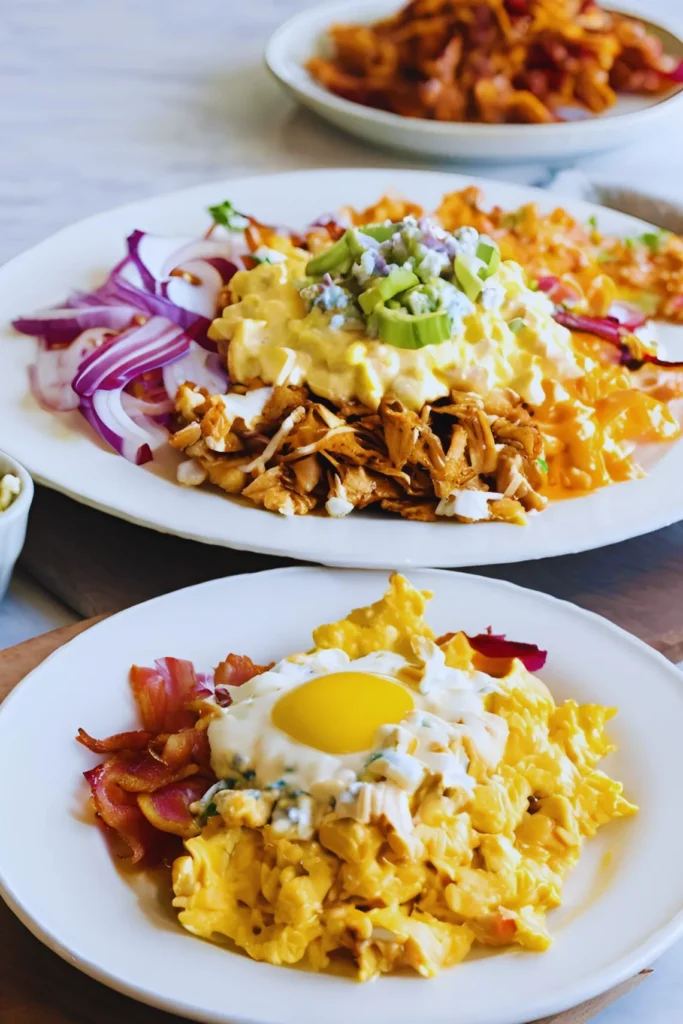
(621, 910)
(305, 36)
(61, 450)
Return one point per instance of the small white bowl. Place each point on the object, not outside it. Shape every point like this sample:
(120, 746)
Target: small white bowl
(305, 36)
(13, 520)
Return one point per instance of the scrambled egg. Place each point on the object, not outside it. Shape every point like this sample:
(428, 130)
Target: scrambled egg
(272, 337)
(418, 823)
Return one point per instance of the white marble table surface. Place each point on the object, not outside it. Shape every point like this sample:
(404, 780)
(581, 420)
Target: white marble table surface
(106, 103)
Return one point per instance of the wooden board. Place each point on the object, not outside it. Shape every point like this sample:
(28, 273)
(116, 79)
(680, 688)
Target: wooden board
(102, 564)
(38, 987)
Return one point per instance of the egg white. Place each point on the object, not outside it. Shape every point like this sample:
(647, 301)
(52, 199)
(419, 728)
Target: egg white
(250, 751)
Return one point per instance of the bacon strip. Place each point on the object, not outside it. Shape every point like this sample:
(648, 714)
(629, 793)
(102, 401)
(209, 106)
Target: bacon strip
(163, 694)
(168, 808)
(114, 785)
(236, 670)
(143, 791)
(137, 740)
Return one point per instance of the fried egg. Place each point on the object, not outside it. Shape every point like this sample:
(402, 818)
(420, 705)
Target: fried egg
(326, 727)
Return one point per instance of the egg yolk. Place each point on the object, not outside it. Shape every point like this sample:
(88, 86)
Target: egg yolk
(341, 713)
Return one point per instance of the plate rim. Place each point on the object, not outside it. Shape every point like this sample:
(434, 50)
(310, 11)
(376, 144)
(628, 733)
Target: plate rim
(603, 980)
(254, 535)
(284, 69)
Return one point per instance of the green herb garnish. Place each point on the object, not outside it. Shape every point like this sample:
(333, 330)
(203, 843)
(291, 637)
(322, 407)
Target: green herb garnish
(210, 812)
(593, 222)
(652, 240)
(543, 465)
(605, 257)
(228, 217)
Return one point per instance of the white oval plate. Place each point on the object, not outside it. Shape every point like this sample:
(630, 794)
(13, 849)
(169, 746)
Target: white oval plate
(304, 36)
(621, 909)
(61, 450)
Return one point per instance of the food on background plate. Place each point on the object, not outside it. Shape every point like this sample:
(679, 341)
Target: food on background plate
(10, 488)
(466, 366)
(388, 797)
(519, 61)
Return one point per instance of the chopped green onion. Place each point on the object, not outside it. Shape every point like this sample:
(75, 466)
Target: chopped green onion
(468, 280)
(593, 222)
(543, 465)
(397, 281)
(228, 217)
(516, 325)
(402, 329)
(380, 232)
(490, 254)
(330, 259)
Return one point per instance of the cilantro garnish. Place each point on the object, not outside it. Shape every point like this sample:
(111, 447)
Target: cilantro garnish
(375, 757)
(210, 812)
(652, 240)
(226, 215)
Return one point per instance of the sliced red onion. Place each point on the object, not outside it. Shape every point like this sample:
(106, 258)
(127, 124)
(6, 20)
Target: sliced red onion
(59, 326)
(199, 298)
(155, 257)
(105, 413)
(610, 330)
(117, 289)
(128, 355)
(558, 290)
(676, 74)
(607, 328)
(496, 646)
(55, 368)
(629, 316)
(136, 407)
(198, 366)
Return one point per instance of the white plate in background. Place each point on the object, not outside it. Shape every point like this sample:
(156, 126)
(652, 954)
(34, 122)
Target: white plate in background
(623, 906)
(304, 36)
(63, 452)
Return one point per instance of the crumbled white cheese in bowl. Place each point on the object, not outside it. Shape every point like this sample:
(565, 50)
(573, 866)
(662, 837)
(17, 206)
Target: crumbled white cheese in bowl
(10, 487)
(16, 494)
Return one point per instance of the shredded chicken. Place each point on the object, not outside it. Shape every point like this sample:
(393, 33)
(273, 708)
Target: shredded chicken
(300, 454)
